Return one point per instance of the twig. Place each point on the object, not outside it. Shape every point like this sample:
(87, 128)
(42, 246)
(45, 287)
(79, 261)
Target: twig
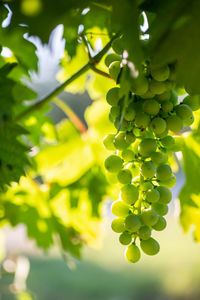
(100, 72)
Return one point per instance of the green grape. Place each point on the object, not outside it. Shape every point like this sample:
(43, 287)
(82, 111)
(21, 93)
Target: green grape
(112, 96)
(142, 120)
(173, 98)
(129, 193)
(132, 253)
(113, 163)
(147, 95)
(174, 123)
(117, 46)
(114, 69)
(163, 172)
(147, 146)
(157, 87)
(161, 224)
(140, 85)
(158, 125)
(185, 113)
(110, 58)
(132, 223)
(148, 169)
(164, 96)
(161, 209)
(130, 137)
(151, 107)
(130, 112)
(114, 113)
(158, 158)
(119, 141)
(168, 142)
(144, 232)
(145, 186)
(163, 134)
(149, 217)
(125, 238)
(124, 176)
(128, 155)
(170, 182)
(150, 246)
(120, 209)
(192, 101)
(134, 168)
(117, 225)
(165, 194)
(167, 106)
(152, 196)
(123, 126)
(108, 142)
(161, 73)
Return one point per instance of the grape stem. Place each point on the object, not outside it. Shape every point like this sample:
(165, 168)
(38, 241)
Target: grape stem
(91, 63)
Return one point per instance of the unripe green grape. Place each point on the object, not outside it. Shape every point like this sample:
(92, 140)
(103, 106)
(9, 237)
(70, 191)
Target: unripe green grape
(117, 225)
(152, 196)
(134, 168)
(148, 169)
(163, 172)
(174, 123)
(161, 224)
(192, 101)
(110, 58)
(170, 182)
(132, 223)
(112, 96)
(108, 142)
(149, 217)
(142, 120)
(125, 238)
(158, 158)
(145, 186)
(151, 107)
(120, 209)
(140, 85)
(130, 112)
(161, 73)
(150, 246)
(114, 113)
(128, 155)
(129, 194)
(117, 46)
(168, 142)
(173, 98)
(157, 87)
(124, 176)
(164, 96)
(114, 69)
(165, 194)
(167, 106)
(144, 232)
(185, 113)
(130, 137)
(119, 141)
(147, 95)
(113, 163)
(158, 125)
(123, 126)
(147, 146)
(163, 134)
(161, 209)
(132, 253)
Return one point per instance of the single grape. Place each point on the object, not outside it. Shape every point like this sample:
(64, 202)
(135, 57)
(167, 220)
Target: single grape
(192, 101)
(165, 194)
(164, 96)
(120, 209)
(125, 238)
(168, 142)
(160, 73)
(108, 142)
(140, 85)
(157, 87)
(145, 186)
(110, 58)
(117, 46)
(129, 193)
(132, 253)
(167, 106)
(144, 232)
(150, 246)
(185, 113)
(170, 182)
(161, 224)
(174, 123)
(132, 223)
(117, 225)
(158, 125)
(130, 137)
(163, 172)
(148, 169)
(151, 107)
(112, 96)
(149, 217)
(120, 142)
(161, 209)
(130, 112)
(128, 155)
(147, 146)
(152, 196)
(113, 163)
(124, 176)
(163, 134)
(147, 95)
(158, 158)
(114, 69)
(114, 113)
(142, 120)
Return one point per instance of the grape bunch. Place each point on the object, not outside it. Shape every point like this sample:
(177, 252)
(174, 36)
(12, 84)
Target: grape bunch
(146, 114)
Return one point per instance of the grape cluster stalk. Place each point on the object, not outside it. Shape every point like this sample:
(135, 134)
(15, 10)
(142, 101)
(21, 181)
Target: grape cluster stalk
(146, 114)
